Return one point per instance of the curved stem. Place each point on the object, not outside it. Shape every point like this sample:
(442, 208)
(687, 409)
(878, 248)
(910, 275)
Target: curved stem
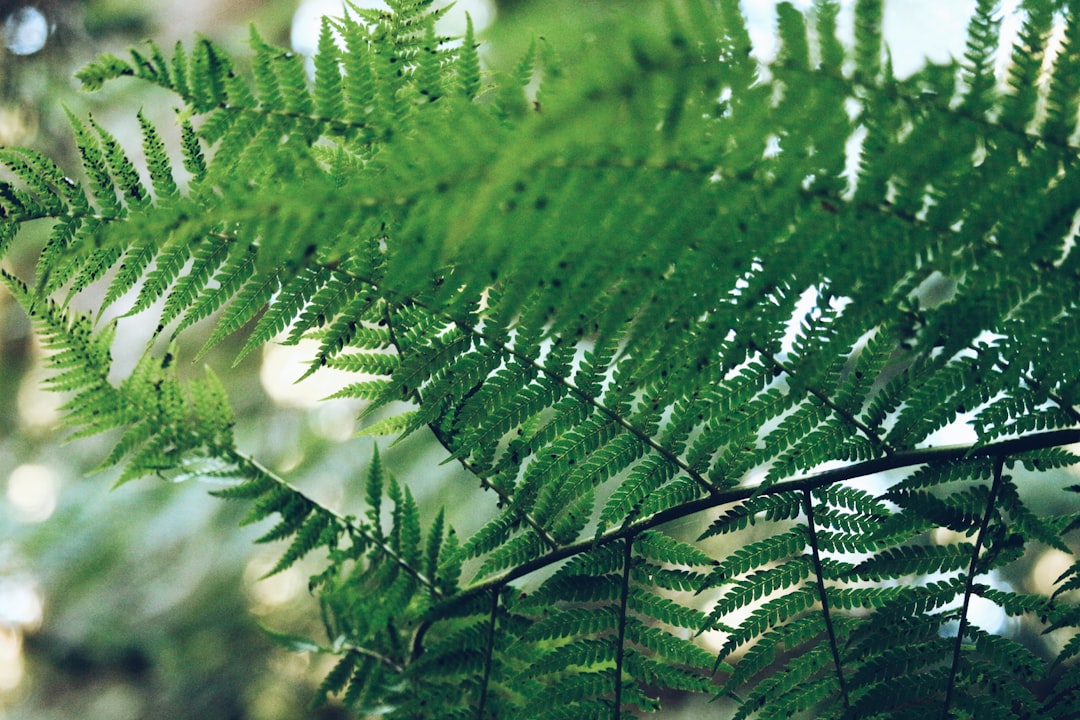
(1005, 448)
(973, 567)
(823, 596)
(489, 654)
(447, 444)
(254, 468)
(827, 402)
(620, 648)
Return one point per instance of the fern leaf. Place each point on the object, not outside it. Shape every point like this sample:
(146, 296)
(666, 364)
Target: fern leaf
(209, 68)
(762, 553)
(772, 613)
(125, 175)
(96, 167)
(1065, 89)
(248, 489)
(760, 584)
(313, 533)
(251, 298)
(209, 253)
(336, 680)
(170, 260)
(981, 46)
(469, 62)
(393, 425)
(105, 67)
(284, 308)
(918, 559)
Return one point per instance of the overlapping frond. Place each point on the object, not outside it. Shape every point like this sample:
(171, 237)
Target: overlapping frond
(671, 285)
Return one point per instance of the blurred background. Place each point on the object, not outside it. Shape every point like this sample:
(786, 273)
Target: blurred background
(143, 602)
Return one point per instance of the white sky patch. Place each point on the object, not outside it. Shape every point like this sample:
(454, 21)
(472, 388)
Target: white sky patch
(807, 304)
(982, 613)
(915, 30)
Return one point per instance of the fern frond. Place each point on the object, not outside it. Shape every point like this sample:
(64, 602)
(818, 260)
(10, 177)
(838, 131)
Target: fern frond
(469, 62)
(673, 285)
(916, 559)
(246, 301)
(983, 32)
(1064, 89)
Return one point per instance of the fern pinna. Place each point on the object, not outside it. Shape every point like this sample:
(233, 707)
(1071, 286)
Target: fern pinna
(695, 321)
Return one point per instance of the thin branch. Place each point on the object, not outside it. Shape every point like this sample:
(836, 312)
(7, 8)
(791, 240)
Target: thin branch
(243, 461)
(468, 327)
(808, 507)
(991, 501)
(953, 453)
(615, 417)
(489, 654)
(447, 444)
(620, 648)
(378, 657)
(827, 402)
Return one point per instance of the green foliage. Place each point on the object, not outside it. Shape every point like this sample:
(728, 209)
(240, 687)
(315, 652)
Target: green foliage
(670, 287)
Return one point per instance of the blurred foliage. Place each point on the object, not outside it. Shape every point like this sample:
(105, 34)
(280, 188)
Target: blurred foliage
(106, 645)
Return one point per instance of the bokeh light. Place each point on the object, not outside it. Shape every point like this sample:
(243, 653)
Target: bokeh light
(32, 491)
(25, 31)
(284, 365)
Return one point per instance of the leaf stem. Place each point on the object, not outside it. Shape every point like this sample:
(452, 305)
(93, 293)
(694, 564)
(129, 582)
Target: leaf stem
(254, 468)
(999, 462)
(952, 453)
(489, 654)
(443, 439)
(620, 648)
(827, 402)
(808, 507)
